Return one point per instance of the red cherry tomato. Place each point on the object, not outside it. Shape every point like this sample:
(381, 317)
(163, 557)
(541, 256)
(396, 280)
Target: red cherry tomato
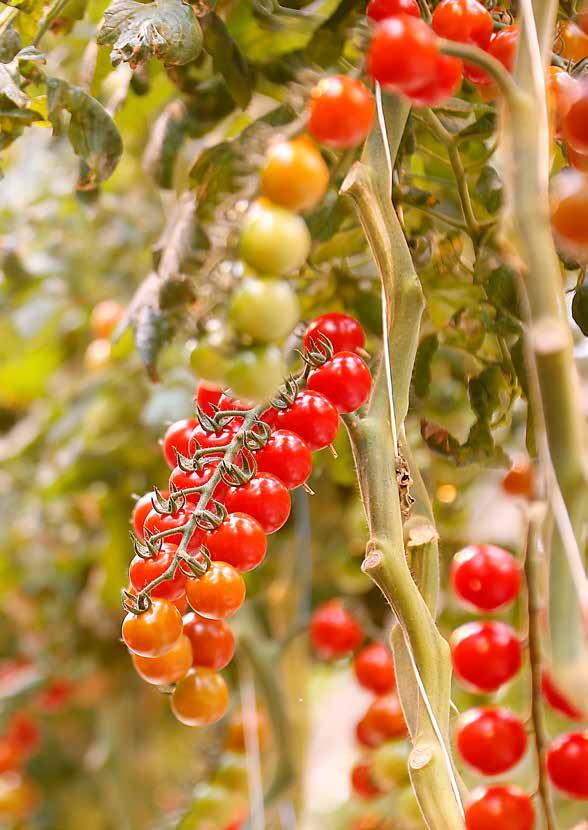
(143, 571)
(374, 669)
(403, 54)
(201, 438)
(341, 111)
(181, 480)
(264, 498)
(238, 540)
(486, 577)
(520, 480)
(579, 161)
(558, 701)
(177, 438)
(575, 126)
(503, 47)
(362, 781)
(312, 417)
(207, 396)
(500, 808)
(567, 764)
(213, 643)
(446, 81)
(333, 631)
(491, 740)
(383, 721)
(287, 457)
(381, 9)
(159, 522)
(218, 593)
(201, 698)
(344, 332)
(140, 511)
(465, 21)
(56, 695)
(485, 655)
(10, 758)
(345, 380)
(167, 668)
(23, 733)
(155, 631)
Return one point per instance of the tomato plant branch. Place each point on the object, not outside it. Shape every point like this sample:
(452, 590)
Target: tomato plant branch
(473, 54)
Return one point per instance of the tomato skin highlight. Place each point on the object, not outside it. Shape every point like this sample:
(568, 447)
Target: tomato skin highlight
(344, 332)
(345, 380)
(238, 540)
(491, 740)
(167, 668)
(381, 9)
(503, 47)
(574, 125)
(341, 112)
(213, 643)
(140, 511)
(465, 21)
(264, 498)
(486, 577)
(567, 764)
(569, 212)
(403, 54)
(201, 698)
(287, 457)
(155, 631)
(374, 669)
(143, 571)
(181, 480)
(447, 79)
(485, 655)
(383, 721)
(499, 808)
(177, 437)
(312, 417)
(295, 175)
(207, 396)
(218, 593)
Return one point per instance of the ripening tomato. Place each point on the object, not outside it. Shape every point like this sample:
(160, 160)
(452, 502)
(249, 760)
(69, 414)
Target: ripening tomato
(341, 111)
(491, 740)
(105, 318)
(143, 571)
(447, 79)
(558, 701)
(239, 724)
(312, 417)
(167, 668)
(403, 54)
(381, 9)
(383, 721)
(567, 764)
(486, 577)
(238, 540)
(153, 632)
(265, 309)
(213, 643)
(201, 698)
(569, 212)
(18, 798)
(562, 90)
(520, 479)
(344, 332)
(97, 355)
(295, 175)
(287, 457)
(574, 123)
(177, 438)
(10, 758)
(23, 733)
(257, 373)
(334, 632)
(485, 655)
(209, 358)
(575, 41)
(273, 240)
(374, 669)
(264, 498)
(218, 593)
(499, 808)
(362, 781)
(207, 396)
(345, 380)
(56, 695)
(466, 21)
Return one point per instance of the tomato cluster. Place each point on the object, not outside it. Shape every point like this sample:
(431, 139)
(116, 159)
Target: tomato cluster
(233, 468)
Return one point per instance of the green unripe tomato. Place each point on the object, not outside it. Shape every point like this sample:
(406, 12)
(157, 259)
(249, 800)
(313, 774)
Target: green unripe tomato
(580, 308)
(408, 810)
(210, 803)
(208, 362)
(273, 240)
(266, 310)
(255, 374)
(390, 765)
(231, 773)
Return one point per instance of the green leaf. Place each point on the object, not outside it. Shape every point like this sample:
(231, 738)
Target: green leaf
(421, 376)
(486, 391)
(10, 44)
(165, 142)
(92, 132)
(165, 29)
(489, 189)
(479, 448)
(227, 59)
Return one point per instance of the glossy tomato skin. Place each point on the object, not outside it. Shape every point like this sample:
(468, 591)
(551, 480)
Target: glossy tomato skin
(239, 540)
(218, 593)
(569, 212)
(579, 161)
(491, 740)
(201, 698)
(562, 91)
(158, 522)
(485, 577)
(287, 457)
(575, 121)
(520, 480)
(500, 808)
(207, 396)
(466, 21)
(143, 571)
(181, 480)
(273, 240)
(312, 417)
(567, 764)
(485, 655)
(265, 309)
(362, 781)
(201, 438)
(374, 669)
(447, 79)
(167, 668)
(155, 631)
(264, 498)
(295, 174)
(345, 380)
(558, 701)
(177, 437)
(383, 721)
(345, 333)
(334, 632)
(503, 47)
(213, 643)
(341, 112)
(140, 511)
(381, 9)
(403, 54)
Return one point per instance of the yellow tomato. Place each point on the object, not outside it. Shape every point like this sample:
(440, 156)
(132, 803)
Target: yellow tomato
(295, 175)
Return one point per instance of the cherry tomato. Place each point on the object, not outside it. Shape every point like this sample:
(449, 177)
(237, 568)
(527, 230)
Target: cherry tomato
(374, 669)
(383, 721)
(97, 355)
(569, 212)
(579, 161)
(567, 764)
(218, 593)
(485, 655)
(344, 332)
(140, 511)
(403, 54)
(207, 396)
(466, 21)
(181, 480)
(575, 41)
(503, 47)
(10, 757)
(486, 577)
(167, 668)
(177, 437)
(491, 740)
(445, 83)
(56, 695)
(155, 631)
(287, 457)
(273, 240)
(312, 417)
(558, 701)
(23, 733)
(295, 175)
(520, 480)
(574, 127)
(381, 9)
(238, 540)
(265, 309)
(333, 631)
(208, 358)
(213, 643)
(362, 781)
(500, 808)
(264, 498)
(200, 698)
(341, 111)
(143, 571)
(160, 522)
(236, 739)
(201, 438)
(345, 380)
(181, 603)
(18, 797)
(257, 373)
(105, 318)
(562, 90)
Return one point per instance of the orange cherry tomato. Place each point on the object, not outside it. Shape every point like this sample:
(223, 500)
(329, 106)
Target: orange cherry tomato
(213, 643)
(167, 668)
(384, 720)
(562, 90)
(569, 212)
(105, 318)
(200, 698)
(295, 175)
(519, 481)
(155, 631)
(238, 724)
(218, 593)
(575, 41)
(579, 161)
